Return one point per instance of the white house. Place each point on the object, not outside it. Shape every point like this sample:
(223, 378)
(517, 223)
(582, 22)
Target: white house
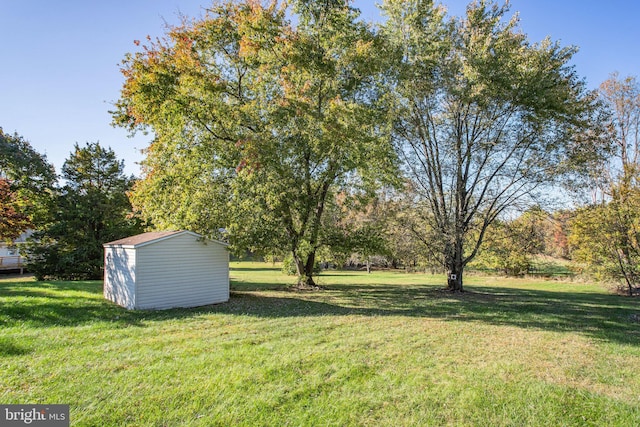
(166, 269)
(10, 257)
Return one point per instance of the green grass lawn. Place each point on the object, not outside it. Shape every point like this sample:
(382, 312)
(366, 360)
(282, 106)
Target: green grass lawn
(387, 348)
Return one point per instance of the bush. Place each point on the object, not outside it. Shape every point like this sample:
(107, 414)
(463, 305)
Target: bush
(48, 259)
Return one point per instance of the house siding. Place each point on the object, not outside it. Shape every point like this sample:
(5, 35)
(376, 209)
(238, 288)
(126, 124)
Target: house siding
(181, 272)
(120, 276)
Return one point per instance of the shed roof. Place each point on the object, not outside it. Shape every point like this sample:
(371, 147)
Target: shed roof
(139, 239)
(151, 237)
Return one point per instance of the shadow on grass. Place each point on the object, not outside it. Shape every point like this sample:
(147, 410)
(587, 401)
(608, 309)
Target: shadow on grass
(603, 316)
(9, 347)
(258, 269)
(54, 304)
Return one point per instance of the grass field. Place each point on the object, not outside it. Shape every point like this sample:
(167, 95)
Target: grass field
(382, 349)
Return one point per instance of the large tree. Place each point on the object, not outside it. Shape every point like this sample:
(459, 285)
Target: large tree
(27, 181)
(486, 119)
(91, 209)
(258, 122)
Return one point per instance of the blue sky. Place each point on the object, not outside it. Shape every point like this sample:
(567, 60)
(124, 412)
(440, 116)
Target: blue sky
(59, 60)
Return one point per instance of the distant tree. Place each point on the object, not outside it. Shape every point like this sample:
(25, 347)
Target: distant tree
(28, 181)
(511, 244)
(411, 237)
(606, 238)
(622, 169)
(557, 234)
(91, 209)
(486, 119)
(356, 227)
(259, 123)
(605, 235)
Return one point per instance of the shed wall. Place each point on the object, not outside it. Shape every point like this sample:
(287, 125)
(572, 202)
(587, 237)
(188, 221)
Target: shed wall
(181, 272)
(120, 276)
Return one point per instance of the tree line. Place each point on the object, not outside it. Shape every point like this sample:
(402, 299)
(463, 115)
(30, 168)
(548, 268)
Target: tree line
(71, 219)
(298, 130)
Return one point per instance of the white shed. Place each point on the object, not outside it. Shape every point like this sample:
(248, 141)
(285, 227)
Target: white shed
(166, 269)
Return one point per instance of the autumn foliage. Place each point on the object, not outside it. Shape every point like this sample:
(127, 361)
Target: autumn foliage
(13, 222)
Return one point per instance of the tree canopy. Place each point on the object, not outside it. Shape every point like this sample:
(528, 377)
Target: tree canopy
(23, 166)
(258, 122)
(266, 113)
(485, 119)
(13, 222)
(90, 210)
(27, 180)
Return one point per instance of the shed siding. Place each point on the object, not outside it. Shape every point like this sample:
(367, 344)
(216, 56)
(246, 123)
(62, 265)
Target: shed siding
(181, 272)
(120, 276)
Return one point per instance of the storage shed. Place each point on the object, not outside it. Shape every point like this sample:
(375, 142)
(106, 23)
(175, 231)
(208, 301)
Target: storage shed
(166, 269)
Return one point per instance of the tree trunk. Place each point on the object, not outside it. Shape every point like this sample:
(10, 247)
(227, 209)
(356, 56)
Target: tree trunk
(454, 279)
(300, 267)
(304, 271)
(308, 271)
(455, 268)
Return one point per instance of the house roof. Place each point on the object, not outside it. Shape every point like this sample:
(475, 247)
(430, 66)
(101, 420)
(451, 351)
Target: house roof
(151, 237)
